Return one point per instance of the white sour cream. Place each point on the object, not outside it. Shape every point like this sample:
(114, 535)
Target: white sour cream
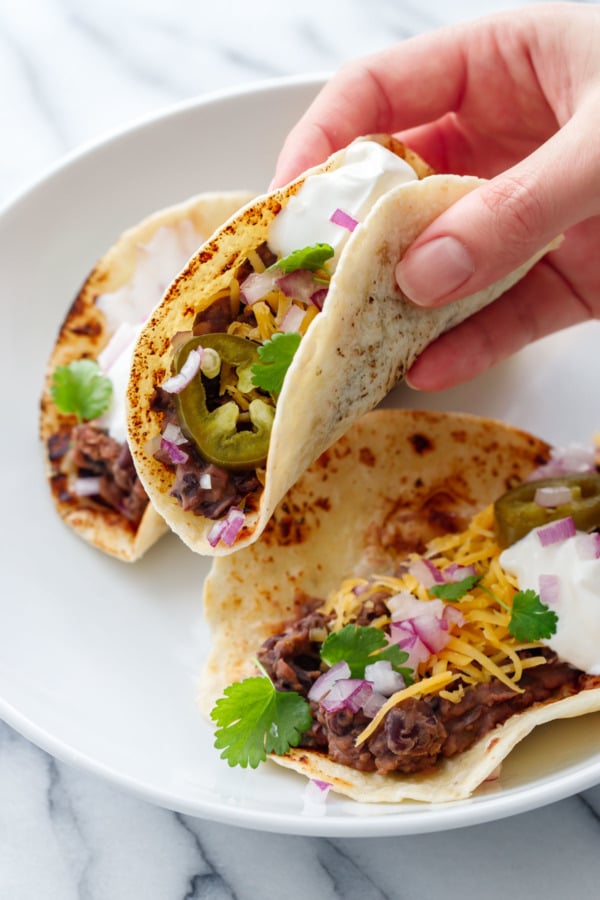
(127, 309)
(367, 171)
(577, 638)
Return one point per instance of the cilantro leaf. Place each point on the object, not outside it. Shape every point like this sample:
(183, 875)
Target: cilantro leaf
(361, 645)
(455, 590)
(81, 388)
(255, 719)
(275, 357)
(531, 620)
(311, 258)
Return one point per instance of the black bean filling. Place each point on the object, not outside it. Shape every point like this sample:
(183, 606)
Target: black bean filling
(418, 733)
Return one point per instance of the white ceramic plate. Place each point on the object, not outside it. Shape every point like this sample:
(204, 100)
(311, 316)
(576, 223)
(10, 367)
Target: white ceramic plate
(99, 660)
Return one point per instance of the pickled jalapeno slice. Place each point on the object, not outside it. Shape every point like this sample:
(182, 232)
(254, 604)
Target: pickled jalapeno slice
(226, 435)
(517, 512)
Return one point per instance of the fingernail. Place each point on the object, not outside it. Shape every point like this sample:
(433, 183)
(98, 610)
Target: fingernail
(433, 270)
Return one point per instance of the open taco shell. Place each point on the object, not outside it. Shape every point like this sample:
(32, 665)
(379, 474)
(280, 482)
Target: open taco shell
(169, 236)
(393, 482)
(352, 354)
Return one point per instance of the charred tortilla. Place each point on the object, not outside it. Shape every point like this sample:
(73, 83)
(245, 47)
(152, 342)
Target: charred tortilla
(85, 332)
(395, 482)
(353, 352)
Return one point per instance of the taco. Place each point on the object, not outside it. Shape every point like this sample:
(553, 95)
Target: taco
(283, 329)
(93, 482)
(403, 661)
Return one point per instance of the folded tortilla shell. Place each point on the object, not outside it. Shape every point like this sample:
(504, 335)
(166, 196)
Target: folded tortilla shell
(353, 353)
(84, 333)
(394, 481)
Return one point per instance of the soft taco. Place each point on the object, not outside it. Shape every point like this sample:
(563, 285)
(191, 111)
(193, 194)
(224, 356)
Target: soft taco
(283, 329)
(378, 639)
(93, 482)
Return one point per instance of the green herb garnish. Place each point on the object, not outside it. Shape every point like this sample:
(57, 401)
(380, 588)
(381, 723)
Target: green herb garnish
(275, 357)
(255, 719)
(361, 645)
(455, 590)
(81, 389)
(311, 258)
(530, 619)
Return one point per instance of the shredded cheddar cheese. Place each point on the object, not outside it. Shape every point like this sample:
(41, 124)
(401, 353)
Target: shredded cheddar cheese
(481, 646)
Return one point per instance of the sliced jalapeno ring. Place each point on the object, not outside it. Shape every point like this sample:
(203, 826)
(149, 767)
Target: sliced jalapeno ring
(216, 433)
(517, 513)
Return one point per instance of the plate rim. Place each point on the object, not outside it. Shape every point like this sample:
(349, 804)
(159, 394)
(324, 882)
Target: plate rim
(408, 820)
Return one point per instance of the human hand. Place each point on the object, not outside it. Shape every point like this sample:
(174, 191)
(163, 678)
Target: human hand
(514, 98)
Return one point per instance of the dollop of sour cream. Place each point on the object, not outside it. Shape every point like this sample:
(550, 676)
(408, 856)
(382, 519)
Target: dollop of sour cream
(366, 171)
(576, 600)
(127, 309)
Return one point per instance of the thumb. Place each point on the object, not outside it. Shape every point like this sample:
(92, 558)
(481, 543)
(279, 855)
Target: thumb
(500, 225)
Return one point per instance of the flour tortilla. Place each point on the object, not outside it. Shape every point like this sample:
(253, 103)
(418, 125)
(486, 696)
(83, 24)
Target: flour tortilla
(84, 333)
(353, 353)
(394, 481)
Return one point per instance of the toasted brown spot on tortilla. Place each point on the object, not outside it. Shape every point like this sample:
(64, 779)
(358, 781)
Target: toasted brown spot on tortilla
(366, 456)
(421, 443)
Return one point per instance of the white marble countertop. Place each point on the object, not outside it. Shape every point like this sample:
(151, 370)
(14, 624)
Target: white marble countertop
(72, 71)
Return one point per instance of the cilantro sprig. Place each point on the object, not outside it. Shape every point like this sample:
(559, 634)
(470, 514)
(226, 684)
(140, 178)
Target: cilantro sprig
(361, 645)
(530, 619)
(312, 258)
(275, 357)
(455, 590)
(255, 719)
(81, 389)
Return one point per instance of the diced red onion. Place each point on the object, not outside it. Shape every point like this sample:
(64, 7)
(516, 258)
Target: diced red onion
(86, 487)
(405, 605)
(233, 523)
(553, 496)
(257, 284)
(454, 572)
(174, 434)
(339, 217)
(319, 297)
(347, 693)
(453, 616)
(588, 546)
(359, 589)
(432, 632)
(426, 572)
(174, 453)
(177, 383)
(315, 797)
(557, 531)
(384, 679)
(227, 529)
(322, 785)
(325, 682)
(549, 586)
(293, 318)
(573, 460)
(180, 338)
(206, 481)
(372, 706)
(404, 634)
(300, 285)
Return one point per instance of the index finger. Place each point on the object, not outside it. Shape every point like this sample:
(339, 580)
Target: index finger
(401, 87)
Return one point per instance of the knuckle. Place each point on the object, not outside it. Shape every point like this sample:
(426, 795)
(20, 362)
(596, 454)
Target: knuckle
(518, 210)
